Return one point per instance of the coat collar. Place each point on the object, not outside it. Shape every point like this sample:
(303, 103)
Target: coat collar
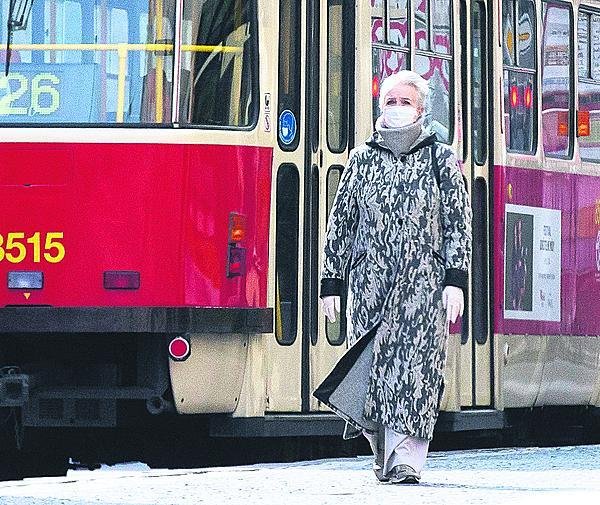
(376, 141)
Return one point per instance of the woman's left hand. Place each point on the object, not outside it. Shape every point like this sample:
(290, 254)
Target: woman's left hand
(454, 302)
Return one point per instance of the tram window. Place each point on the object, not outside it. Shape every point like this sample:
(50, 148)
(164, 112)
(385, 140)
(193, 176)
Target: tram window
(479, 77)
(313, 73)
(385, 62)
(583, 49)
(289, 64)
(83, 62)
(398, 22)
(508, 34)
(286, 254)
(433, 61)
(520, 100)
(439, 117)
(338, 75)
(433, 26)
(519, 106)
(557, 100)
(440, 20)
(218, 88)
(588, 33)
(422, 32)
(519, 44)
(19, 37)
(68, 16)
(335, 332)
(595, 31)
(378, 28)
(525, 38)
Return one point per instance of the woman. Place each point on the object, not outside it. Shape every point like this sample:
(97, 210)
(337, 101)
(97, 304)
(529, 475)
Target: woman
(401, 225)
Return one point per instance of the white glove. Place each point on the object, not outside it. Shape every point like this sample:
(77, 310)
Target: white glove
(331, 305)
(454, 302)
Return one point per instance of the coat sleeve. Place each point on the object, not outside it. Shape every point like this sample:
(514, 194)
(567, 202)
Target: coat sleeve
(341, 230)
(456, 221)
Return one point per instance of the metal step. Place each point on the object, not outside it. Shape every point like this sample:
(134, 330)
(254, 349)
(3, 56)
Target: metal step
(324, 424)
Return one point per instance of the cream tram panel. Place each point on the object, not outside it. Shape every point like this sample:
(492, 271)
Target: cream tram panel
(570, 371)
(522, 368)
(210, 379)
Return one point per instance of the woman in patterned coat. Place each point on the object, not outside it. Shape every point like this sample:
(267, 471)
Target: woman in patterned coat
(399, 235)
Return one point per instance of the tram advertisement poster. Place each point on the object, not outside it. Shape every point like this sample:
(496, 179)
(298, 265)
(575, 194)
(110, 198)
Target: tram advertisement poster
(532, 261)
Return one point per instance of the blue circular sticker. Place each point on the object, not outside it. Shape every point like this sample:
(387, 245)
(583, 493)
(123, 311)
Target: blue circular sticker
(287, 127)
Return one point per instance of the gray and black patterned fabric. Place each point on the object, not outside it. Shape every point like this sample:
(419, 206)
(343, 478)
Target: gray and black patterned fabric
(402, 236)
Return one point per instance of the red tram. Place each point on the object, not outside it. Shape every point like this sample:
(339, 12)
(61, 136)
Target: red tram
(167, 167)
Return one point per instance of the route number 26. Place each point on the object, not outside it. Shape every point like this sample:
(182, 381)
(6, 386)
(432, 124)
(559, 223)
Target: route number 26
(45, 98)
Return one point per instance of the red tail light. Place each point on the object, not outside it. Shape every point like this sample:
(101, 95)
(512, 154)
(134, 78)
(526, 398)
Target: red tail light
(179, 349)
(563, 123)
(528, 97)
(583, 123)
(375, 86)
(121, 280)
(236, 264)
(514, 96)
(237, 228)
(236, 255)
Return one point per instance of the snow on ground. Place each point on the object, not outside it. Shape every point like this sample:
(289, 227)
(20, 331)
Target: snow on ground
(545, 476)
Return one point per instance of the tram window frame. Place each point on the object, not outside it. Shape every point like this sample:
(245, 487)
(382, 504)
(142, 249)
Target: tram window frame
(589, 79)
(430, 45)
(252, 56)
(313, 255)
(289, 65)
(433, 53)
(479, 143)
(313, 67)
(514, 71)
(571, 106)
(334, 332)
(385, 45)
(288, 176)
(344, 78)
(38, 56)
(388, 29)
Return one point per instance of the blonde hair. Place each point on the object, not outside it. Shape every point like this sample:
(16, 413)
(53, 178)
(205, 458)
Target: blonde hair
(404, 77)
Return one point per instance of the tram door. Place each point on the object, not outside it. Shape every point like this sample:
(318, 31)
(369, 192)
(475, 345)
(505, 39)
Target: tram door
(476, 363)
(314, 134)
(330, 95)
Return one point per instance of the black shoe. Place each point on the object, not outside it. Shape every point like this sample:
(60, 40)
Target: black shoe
(404, 474)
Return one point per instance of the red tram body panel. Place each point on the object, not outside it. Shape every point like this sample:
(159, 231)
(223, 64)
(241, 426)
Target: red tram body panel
(160, 210)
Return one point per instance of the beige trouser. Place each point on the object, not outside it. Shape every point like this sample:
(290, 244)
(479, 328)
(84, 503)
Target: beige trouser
(392, 449)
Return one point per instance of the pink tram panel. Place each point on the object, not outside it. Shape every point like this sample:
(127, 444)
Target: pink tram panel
(525, 279)
(163, 211)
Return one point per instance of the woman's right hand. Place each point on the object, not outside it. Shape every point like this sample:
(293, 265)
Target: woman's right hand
(331, 305)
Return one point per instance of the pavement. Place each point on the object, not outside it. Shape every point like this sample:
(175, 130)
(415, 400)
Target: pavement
(545, 476)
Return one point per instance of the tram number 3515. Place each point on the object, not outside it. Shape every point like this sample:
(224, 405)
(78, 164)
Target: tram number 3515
(17, 247)
(45, 97)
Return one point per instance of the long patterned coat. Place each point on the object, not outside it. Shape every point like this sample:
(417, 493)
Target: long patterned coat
(402, 235)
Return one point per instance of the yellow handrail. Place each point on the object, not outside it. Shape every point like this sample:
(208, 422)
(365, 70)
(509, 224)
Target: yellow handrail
(158, 79)
(123, 51)
(130, 47)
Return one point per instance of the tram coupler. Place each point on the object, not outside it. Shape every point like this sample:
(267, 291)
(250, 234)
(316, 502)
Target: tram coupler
(14, 390)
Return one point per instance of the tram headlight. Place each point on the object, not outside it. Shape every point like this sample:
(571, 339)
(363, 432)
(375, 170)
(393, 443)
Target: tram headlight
(25, 280)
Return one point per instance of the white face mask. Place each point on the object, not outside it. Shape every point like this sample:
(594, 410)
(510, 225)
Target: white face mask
(397, 116)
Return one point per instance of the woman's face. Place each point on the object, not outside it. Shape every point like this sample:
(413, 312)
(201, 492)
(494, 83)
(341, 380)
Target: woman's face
(404, 95)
